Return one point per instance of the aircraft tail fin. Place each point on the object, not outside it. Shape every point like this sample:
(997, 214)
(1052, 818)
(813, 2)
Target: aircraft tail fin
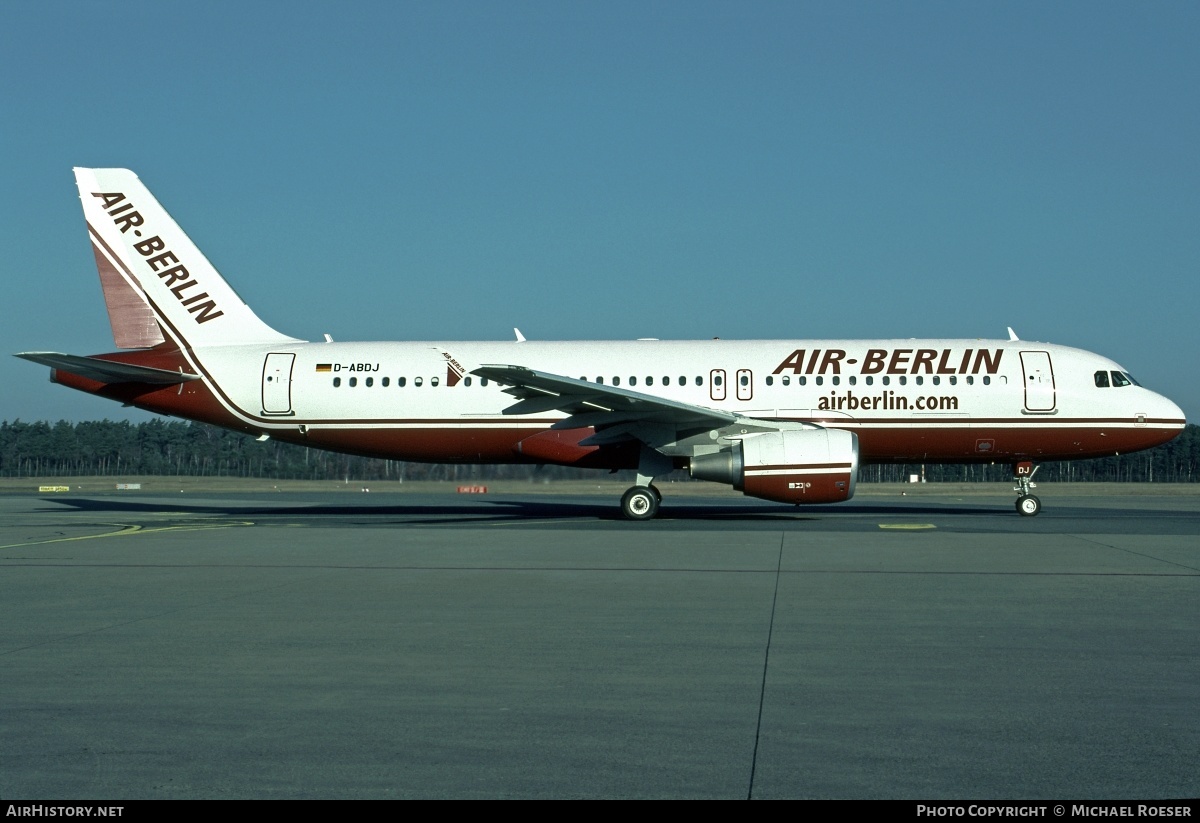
(156, 282)
(134, 325)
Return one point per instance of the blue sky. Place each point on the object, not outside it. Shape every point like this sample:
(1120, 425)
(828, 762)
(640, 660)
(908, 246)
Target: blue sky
(449, 170)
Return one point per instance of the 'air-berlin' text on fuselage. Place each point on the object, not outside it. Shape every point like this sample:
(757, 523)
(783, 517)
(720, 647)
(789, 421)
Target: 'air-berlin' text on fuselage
(893, 361)
(164, 263)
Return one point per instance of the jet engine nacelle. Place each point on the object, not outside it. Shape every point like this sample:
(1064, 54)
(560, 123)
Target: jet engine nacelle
(802, 466)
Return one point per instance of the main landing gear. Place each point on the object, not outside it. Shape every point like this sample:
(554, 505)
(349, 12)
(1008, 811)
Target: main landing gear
(641, 503)
(1027, 504)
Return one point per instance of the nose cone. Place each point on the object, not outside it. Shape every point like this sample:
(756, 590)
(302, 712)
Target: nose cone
(1167, 410)
(1164, 416)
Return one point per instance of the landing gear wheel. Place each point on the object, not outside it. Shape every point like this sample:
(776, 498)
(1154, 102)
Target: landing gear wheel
(657, 493)
(1028, 505)
(640, 503)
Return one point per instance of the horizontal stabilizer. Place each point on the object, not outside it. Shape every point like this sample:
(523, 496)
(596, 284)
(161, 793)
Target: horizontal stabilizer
(107, 371)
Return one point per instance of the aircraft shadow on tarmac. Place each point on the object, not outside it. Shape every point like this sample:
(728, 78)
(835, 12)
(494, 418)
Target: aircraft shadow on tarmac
(531, 509)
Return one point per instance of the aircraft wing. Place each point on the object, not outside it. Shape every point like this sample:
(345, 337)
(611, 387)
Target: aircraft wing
(595, 404)
(107, 371)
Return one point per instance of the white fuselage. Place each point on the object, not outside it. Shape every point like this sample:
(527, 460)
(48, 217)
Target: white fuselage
(957, 400)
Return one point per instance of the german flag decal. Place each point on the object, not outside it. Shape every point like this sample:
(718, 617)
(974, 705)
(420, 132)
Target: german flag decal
(324, 367)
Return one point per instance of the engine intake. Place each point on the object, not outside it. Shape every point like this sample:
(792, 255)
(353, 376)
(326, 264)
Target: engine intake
(802, 466)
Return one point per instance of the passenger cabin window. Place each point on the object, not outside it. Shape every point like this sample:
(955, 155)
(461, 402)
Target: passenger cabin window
(418, 382)
(433, 381)
(370, 382)
(386, 381)
(787, 381)
(400, 381)
(337, 381)
(353, 382)
(466, 381)
(770, 380)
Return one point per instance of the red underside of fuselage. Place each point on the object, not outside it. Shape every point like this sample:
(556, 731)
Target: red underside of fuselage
(876, 445)
(893, 441)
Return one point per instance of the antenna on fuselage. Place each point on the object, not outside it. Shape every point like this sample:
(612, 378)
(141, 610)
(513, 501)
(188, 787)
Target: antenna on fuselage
(1012, 335)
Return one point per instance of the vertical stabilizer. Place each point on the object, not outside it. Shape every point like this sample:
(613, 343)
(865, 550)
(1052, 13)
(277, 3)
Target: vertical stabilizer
(147, 263)
(134, 325)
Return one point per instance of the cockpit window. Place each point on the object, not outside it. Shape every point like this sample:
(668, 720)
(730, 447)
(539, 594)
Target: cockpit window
(1120, 379)
(1102, 380)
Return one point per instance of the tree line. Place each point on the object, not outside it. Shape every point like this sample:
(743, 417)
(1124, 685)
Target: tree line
(169, 447)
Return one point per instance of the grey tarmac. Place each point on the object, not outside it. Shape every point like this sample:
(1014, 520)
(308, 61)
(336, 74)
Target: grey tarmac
(421, 645)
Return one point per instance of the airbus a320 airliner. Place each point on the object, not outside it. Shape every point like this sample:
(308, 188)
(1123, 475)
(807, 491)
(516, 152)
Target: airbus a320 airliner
(784, 420)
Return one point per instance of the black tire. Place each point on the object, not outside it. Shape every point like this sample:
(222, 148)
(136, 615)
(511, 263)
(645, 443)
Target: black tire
(639, 503)
(1028, 506)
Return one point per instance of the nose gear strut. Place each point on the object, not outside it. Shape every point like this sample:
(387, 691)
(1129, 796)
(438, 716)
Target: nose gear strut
(1027, 504)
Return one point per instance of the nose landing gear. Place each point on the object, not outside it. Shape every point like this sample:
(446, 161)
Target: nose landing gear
(1027, 504)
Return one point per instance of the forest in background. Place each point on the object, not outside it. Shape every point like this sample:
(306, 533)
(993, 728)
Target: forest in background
(169, 447)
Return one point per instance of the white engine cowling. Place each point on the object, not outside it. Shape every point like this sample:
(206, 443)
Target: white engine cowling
(801, 466)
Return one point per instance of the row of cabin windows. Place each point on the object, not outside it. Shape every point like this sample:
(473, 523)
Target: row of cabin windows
(885, 380)
(466, 381)
(633, 381)
(786, 380)
(400, 381)
(1118, 379)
